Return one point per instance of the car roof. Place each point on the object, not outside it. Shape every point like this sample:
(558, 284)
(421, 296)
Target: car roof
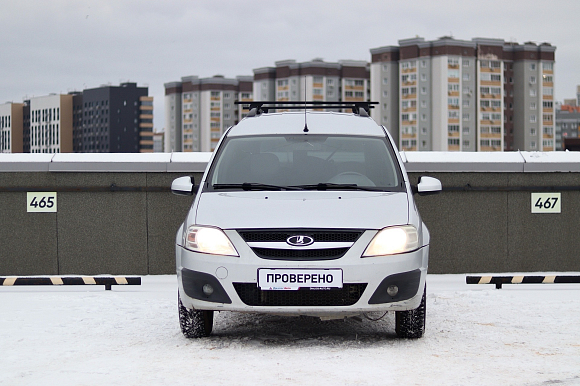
(318, 122)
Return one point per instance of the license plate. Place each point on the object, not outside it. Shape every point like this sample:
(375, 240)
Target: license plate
(294, 279)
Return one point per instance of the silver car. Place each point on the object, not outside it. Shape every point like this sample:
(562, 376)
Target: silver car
(303, 213)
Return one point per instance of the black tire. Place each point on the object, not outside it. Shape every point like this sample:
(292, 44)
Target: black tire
(195, 323)
(411, 324)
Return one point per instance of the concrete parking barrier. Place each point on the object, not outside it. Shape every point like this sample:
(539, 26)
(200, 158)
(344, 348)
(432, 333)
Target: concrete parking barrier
(107, 281)
(536, 279)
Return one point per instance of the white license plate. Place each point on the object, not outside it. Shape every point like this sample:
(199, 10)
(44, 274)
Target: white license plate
(294, 279)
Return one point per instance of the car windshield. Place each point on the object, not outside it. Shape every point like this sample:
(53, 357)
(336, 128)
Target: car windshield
(314, 162)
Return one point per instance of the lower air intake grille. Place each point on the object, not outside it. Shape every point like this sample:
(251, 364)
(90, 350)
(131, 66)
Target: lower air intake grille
(252, 295)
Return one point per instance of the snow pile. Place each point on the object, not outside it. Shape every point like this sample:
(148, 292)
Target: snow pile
(519, 335)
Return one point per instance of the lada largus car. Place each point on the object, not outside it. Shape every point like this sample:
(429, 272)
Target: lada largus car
(303, 212)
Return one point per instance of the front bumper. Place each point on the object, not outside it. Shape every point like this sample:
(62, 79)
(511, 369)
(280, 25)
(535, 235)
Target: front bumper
(233, 282)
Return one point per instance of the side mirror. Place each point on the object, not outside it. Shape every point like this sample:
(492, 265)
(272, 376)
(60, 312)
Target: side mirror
(428, 185)
(183, 186)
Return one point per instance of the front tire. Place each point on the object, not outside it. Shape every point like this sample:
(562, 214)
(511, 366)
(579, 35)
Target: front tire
(195, 323)
(411, 324)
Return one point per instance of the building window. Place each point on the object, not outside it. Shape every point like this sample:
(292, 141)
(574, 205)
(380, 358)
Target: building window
(532, 144)
(532, 118)
(533, 66)
(548, 66)
(532, 79)
(533, 92)
(453, 141)
(453, 74)
(466, 116)
(466, 63)
(532, 105)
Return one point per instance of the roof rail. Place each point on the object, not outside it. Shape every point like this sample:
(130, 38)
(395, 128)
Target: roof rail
(359, 108)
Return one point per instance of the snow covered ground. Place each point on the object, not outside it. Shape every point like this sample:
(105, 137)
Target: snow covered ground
(476, 335)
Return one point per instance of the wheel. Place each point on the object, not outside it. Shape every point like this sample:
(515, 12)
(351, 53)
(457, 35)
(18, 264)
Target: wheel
(411, 324)
(195, 323)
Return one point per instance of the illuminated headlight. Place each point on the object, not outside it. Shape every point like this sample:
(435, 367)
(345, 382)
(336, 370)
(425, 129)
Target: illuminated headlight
(393, 240)
(208, 240)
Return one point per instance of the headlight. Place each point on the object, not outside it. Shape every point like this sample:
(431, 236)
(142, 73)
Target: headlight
(208, 240)
(393, 240)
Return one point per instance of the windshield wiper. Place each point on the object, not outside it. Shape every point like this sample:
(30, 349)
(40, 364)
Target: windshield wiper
(252, 186)
(331, 186)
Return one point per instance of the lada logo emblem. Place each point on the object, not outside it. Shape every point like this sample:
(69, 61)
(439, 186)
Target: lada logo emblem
(299, 241)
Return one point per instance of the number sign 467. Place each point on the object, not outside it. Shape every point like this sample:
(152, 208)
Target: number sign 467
(546, 202)
(41, 202)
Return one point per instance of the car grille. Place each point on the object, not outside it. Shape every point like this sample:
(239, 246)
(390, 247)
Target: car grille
(252, 295)
(297, 254)
(300, 255)
(283, 234)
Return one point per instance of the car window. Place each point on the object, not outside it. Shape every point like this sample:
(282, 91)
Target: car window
(296, 160)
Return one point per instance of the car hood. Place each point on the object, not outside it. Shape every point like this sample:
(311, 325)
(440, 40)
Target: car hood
(303, 209)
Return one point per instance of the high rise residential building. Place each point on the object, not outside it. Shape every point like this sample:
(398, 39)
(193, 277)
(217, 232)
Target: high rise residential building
(51, 126)
(100, 120)
(198, 110)
(158, 139)
(11, 127)
(115, 119)
(567, 125)
(346, 80)
(455, 95)
(173, 133)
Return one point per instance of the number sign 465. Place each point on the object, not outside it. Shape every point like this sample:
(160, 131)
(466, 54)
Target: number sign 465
(41, 202)
(546, 202)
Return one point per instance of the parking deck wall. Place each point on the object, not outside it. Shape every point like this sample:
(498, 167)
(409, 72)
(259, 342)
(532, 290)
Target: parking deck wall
(118, 216)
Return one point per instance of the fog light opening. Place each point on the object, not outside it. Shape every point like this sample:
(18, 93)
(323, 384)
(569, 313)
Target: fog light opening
(207, 290)
(392, 290)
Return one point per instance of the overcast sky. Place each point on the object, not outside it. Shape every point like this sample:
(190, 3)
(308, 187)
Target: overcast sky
(59, 46)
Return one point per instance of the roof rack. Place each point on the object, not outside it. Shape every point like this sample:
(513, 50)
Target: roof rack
(359, 108)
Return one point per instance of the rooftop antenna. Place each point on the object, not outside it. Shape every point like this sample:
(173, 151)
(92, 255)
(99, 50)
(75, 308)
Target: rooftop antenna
(305, 122)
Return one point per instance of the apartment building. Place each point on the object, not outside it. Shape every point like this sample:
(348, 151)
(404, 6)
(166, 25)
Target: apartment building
(51, 126)
(173, 133)
(198, 110)
(455, 95)
(11, 127)
(316, 80)
(114, 119)
(567, 125)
